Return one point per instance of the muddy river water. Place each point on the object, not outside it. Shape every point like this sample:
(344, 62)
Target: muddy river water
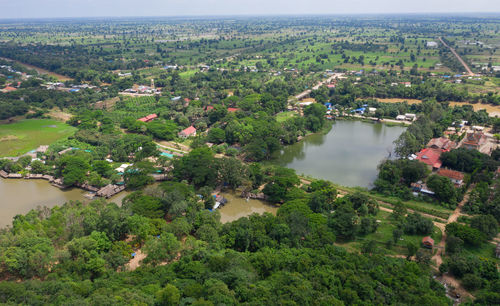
(21, 196)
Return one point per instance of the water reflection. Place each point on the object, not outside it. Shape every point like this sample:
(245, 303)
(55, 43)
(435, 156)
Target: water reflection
(348, 155)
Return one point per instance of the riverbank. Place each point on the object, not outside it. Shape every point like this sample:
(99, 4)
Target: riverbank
(386, 121)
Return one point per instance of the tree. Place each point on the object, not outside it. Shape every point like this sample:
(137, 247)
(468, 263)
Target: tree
(162, 248)
(469, 235)
(198, 167)
(216, 135)
(443, 189)
(487, 224)
(138, 175)
(283, 179)
(231, 172)
(166, 130)
(411, 249)
(168, 296)
(74, 169)
(397, 233)
(102, 167)
(38, 167)
(416, 224)
(344, 221)
(453, 245)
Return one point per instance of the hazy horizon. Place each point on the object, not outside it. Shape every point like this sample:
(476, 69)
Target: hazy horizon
(33, 9)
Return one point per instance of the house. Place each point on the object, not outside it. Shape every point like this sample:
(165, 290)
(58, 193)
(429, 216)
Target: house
(122, 168)
(303, 104)
(9, 89)
(360, 110)
(428, 242)
(209, 108)
(400, 117)
(232, 109)
(431, 44)
(442, 143)
(42, 149)
(430, 156)
(497, 250)
(175, 98)
(474, 140)
(148, 118)
(188, 132)
(410, 117)
(422, 188)
(456, 177)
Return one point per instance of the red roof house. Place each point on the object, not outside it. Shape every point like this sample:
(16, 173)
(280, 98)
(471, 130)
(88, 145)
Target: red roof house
(148, 118)
(232, 109)
(442, 143)
(209, 107)
(455, 176)
(9, 89)
(428, 242)
(474, 141)
(430, 156)
(188, 132)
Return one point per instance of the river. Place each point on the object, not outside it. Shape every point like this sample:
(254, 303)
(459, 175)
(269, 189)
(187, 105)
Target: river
(19, 196)
(347, 155)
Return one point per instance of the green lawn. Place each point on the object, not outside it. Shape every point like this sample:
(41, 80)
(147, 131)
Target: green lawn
(384, 233)
(25, 135)
(285, 116)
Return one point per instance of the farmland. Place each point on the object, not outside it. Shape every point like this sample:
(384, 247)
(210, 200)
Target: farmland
(25, 135)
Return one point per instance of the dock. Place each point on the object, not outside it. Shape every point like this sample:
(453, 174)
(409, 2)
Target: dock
(109, 190)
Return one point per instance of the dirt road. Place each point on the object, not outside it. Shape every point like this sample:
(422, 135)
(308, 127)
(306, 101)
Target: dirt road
(469, 71)
(438, 259)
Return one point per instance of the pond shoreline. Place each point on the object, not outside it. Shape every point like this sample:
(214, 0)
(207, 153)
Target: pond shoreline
(347, 156)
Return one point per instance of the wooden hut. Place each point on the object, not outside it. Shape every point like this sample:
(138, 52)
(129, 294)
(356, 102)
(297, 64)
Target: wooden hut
(428, 242)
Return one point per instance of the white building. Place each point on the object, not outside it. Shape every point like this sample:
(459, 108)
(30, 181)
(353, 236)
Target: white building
(432, 44)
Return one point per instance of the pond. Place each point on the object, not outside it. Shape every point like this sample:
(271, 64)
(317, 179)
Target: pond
(18, 196)
(347, 155)
(238, 207)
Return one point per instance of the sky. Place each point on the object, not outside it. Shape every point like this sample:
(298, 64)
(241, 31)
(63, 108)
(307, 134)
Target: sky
(122, 8)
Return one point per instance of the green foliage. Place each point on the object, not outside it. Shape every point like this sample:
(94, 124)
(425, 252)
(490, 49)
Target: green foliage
(486, 224)
(443, 188)
(73, 168)
(162, 248)
(416, 224)
(470, 236)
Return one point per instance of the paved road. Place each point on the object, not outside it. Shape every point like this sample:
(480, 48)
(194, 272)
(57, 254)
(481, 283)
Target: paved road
(469, 71)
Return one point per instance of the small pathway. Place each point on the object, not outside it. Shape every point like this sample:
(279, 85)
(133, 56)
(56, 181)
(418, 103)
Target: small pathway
(438, 259)
(469, 71)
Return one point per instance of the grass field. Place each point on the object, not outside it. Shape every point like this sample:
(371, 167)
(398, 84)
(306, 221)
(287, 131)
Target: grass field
(25, 135)
(285, 116)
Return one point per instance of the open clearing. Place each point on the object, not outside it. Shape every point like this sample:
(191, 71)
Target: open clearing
(25, 135)
(493, 110)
